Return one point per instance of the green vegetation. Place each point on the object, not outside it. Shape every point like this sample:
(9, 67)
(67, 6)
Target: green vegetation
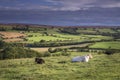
(37, 36)
(13, 51)
(101, 67)
(106, 30)
(20, 44)
(107, 45)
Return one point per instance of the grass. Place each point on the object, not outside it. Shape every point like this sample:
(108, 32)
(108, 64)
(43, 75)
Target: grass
(53, 35)
(101, 30)
(106, 30)
(36, 37)
(106, 45)
(118, 30)
(101, 67)
(87, 30)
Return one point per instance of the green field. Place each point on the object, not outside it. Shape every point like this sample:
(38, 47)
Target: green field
(106, 30)
(101, 67)
(36, 37)
(98, 30)
(107, 45)
(79, 34)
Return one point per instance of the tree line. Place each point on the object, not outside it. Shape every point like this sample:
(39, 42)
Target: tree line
(13, 51)
(16, 51)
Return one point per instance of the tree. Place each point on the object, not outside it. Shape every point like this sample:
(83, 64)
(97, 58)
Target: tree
(50, 50)
(42, 41)
(9, 53)
(3, 44)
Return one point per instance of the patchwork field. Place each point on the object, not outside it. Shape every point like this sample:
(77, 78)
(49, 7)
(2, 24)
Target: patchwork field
(55, 34)
(101, 67)
(36, 37)
(12, 36)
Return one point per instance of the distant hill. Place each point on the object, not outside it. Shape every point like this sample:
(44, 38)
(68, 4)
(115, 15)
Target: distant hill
(52, 26)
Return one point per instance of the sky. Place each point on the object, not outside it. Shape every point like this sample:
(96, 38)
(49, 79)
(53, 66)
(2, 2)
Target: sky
(61, 12)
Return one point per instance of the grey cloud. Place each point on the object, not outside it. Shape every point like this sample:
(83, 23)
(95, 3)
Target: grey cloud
(61, 5)
(74, 5)
(107, 3)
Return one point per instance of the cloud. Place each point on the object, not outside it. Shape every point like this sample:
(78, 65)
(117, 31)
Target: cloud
(74, 5)
(109, 4)
(57, 5)
(71, 5)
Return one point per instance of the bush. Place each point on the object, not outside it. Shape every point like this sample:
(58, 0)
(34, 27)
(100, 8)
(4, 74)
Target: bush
(46, 54)
(13, 51)
(17, 52)
(2, 44)
(30, 35)
(39, 54)
(51, 50)
(42, 41)
(56, 50)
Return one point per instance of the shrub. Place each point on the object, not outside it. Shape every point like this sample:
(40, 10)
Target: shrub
(42, 41)
(30, 35)
(46, 54)
(56, 50)
(51, 50)
(13, 51)
(2, 44)
(39, 54)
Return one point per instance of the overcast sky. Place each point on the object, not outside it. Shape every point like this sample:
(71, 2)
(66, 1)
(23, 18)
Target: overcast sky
(61, 12)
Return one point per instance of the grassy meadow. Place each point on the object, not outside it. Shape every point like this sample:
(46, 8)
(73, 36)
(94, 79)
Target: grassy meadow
(36, 37)
(107, 45)
(100, 67)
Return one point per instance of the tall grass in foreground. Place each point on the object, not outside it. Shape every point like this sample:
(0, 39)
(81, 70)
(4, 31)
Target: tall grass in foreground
(101, 67)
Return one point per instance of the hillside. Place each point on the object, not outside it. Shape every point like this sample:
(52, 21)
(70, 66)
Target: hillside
(20, 44)
(101, 67)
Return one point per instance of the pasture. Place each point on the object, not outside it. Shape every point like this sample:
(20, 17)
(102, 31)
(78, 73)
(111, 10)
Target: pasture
(101, 67)
(106, 30)
(96, 30)
(107, 45)
(36, 37)
(54, 34)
